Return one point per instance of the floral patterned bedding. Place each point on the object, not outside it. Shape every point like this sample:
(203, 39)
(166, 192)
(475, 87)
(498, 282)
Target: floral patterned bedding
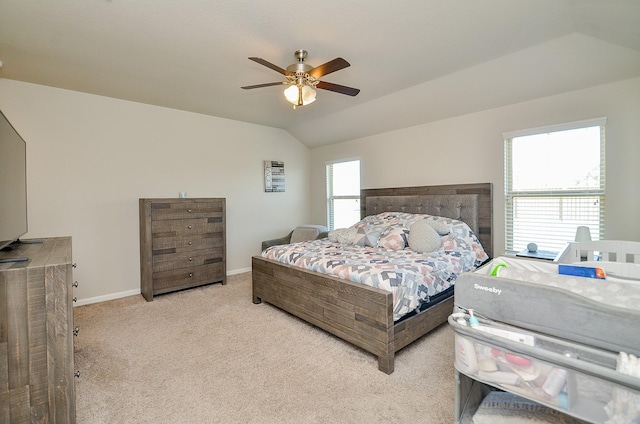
(377, 253)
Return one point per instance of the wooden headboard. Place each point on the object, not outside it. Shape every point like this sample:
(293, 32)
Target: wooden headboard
(471, 203)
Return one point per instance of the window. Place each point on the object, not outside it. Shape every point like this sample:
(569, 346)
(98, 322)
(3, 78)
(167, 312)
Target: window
(343, 194)
(554, 182)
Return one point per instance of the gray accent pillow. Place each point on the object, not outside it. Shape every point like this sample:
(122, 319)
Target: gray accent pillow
(440, 226)
(423, 238)
(366, 238)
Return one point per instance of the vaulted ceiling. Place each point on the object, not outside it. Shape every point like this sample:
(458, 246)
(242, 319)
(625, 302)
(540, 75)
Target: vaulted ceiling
(415, 61)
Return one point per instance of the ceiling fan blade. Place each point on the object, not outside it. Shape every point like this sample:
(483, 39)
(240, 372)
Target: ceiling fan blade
(269, 84)
(349, 91)
(331, 66)
(268, 65)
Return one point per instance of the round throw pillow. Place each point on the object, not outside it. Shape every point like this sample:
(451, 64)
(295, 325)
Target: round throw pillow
(440, 226)
(423, 238)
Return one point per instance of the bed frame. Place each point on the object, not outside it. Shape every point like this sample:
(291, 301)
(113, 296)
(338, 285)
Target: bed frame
(360, 314)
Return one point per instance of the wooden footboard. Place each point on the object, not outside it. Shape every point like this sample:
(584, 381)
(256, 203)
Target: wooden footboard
(359, 314)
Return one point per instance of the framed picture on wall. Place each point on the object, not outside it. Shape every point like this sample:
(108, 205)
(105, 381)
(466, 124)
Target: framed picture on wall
(273, 176)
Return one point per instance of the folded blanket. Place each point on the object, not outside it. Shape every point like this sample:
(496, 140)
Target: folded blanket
(508, 408)
(624, 407)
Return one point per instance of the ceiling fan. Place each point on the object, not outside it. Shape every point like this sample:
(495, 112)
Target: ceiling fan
(302, 79)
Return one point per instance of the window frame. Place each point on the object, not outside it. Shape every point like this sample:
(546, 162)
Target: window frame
(597, 232)
(329, 189)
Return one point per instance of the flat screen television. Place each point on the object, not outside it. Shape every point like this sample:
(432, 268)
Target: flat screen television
(13, 184)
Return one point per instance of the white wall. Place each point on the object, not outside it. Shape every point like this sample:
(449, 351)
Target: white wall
(90, 158)
(469, 149)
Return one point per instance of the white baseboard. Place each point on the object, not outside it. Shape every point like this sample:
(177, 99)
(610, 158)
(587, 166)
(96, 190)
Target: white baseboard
(239, 271)
(113, 296)
(106, 297)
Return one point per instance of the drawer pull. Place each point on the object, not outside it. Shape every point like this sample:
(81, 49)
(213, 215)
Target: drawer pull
(189, 243)
(189, 210)
(191, 274)
(189, 227)
(75, 284)
(190, 259)
(76, 374)
(76, 331)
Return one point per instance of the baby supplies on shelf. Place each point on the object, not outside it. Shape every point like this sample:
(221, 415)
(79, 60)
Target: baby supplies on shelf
(578, 380)
(560, 340)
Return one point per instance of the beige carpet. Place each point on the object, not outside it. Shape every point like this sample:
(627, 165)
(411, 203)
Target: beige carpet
(209, 355)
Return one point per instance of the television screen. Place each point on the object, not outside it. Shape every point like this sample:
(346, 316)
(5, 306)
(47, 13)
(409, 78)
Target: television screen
(13, 184)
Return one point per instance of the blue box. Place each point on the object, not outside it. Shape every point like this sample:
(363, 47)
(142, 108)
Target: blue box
(582, 271)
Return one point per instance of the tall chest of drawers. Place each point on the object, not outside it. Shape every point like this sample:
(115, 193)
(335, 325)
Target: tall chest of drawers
(182, 244)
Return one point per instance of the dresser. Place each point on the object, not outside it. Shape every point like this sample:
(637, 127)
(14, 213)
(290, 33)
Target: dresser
(182, 244)
(36, 334)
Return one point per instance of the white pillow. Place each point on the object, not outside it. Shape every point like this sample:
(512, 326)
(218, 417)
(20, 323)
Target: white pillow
(347, 236)
(333, 235)
(342, 235)
(423, 238)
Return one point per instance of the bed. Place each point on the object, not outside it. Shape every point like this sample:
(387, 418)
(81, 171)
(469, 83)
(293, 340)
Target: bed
(360, 314)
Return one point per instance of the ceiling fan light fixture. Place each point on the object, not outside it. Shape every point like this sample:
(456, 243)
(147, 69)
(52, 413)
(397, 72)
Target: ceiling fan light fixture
(303, 79)
(308, 95)
(300, 95)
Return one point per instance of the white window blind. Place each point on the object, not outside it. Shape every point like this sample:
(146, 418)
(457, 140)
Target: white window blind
(554, 182)
(343, 194)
